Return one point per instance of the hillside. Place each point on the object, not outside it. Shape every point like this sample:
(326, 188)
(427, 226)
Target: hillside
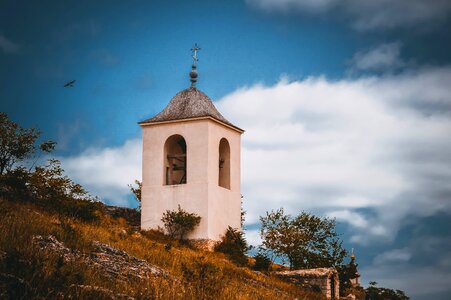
(48, 255)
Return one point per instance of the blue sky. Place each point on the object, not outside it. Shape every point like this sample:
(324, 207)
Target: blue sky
(355, 93)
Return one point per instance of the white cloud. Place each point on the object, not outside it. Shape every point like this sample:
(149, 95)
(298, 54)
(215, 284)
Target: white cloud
(106, 172)
(8, 46)
(287, 5)
(370, 151)
(366, 15)
(253, 237)
(396, 255)
(385, 56)
(353, 218)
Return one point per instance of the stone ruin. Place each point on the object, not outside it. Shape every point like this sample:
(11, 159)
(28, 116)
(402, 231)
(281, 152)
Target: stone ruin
(324, 280)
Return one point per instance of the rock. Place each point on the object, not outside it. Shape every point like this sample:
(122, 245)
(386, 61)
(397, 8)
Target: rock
(120, 263)
(111, 262)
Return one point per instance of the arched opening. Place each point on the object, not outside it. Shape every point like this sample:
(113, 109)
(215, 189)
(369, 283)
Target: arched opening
(224, 164)
(175, 160)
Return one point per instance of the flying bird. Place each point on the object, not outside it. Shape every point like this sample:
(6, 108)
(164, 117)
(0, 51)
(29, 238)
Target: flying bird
(70, 84)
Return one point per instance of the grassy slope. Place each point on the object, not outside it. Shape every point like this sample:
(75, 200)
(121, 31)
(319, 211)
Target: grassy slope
(201, 275)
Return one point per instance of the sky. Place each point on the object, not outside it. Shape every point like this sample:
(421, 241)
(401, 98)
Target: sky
(346, 106)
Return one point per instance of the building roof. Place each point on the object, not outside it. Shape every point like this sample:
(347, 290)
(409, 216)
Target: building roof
(311, 273)
(190, 103)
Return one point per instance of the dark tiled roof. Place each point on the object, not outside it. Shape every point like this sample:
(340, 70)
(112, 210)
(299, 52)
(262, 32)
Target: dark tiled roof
(188, 104)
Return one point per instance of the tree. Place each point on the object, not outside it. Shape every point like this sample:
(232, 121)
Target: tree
(373, 292)
(234, 245)
(137, 192)
(18, 143)
(306, 241)
(178, 223)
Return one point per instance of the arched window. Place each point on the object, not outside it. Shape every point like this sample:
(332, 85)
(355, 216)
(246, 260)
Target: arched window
(175, 160)
(224, 164)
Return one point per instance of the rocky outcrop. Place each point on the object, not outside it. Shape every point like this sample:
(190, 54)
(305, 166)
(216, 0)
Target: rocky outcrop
(111, 263)
(118, 263)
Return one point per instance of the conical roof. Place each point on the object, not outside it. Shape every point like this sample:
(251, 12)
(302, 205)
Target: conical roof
(188, 104)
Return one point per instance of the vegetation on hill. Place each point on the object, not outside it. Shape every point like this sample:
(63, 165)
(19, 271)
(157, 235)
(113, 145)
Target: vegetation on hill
(56, 241)
(33, 272)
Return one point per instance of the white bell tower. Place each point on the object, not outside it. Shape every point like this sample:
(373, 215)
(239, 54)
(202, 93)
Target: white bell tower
(191, 158)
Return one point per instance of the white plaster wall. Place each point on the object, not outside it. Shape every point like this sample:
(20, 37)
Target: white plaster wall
(224, 204)
(217, 206)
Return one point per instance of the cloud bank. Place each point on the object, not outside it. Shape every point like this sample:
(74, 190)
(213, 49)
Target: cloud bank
(370, 152)
(365, 15)
(105, 172)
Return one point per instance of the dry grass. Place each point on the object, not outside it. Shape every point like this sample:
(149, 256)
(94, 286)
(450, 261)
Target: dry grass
(199, 274)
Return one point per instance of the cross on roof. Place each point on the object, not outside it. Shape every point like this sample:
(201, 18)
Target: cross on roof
(194, 50)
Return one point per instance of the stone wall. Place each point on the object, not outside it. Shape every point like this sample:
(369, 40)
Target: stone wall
(324, 280)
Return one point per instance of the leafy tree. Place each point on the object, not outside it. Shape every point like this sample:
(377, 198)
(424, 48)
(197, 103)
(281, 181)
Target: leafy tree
(306, 241)
(52, 189)
(234, 245)
(18, 143)
(46, 185)
(178, 223)
(49, 182)
(373, 292)
(137, 192)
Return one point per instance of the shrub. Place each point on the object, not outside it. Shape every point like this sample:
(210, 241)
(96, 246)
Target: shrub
(234, 245)
(180, 222)
(262, 262)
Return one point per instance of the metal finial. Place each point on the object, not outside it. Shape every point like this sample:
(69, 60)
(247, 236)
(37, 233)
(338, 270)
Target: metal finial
(194, 50)
(193, 73)
(352, 254)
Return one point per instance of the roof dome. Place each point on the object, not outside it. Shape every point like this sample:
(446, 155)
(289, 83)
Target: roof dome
(187, 104)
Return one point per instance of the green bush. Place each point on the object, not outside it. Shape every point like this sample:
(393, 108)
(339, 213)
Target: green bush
(234, 245)
(179, 223)
(262, 262)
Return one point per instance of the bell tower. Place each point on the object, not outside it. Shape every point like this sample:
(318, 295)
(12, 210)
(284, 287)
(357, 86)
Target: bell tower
(191, 158)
